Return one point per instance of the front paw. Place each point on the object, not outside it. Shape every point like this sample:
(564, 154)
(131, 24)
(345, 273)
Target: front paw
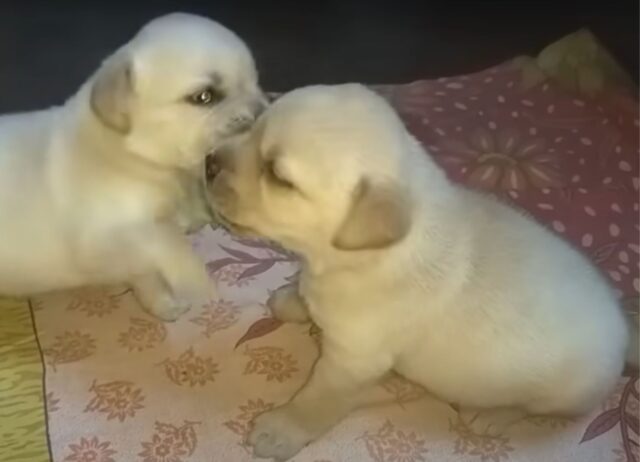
(160, 304)
(169, 312)
(276, 434)
(287, 305)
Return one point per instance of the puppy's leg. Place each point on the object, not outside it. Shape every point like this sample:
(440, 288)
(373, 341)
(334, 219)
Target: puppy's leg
(330, 394)
(150, 249)
(156, 298)
(167, 252)
(287, 305)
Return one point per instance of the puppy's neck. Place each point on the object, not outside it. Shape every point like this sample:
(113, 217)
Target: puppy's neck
(328, 261)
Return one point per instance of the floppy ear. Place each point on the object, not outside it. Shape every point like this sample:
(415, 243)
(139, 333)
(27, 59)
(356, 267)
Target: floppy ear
(379, 217)
(111, 94)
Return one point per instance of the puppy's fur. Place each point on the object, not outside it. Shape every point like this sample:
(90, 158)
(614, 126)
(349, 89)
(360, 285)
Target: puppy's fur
(404, 270)
(90, 191)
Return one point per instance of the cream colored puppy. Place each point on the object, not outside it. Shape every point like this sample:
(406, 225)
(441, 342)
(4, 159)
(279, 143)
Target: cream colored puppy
(90, 191)
(404, 270)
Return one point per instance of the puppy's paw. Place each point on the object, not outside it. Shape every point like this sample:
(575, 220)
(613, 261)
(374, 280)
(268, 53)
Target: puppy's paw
(287, 305)
(490, 422)
(160, 303)
(277, 435)
(191, 282)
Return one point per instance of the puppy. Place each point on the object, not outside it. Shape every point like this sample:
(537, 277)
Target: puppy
(90, 192)
(404, 270)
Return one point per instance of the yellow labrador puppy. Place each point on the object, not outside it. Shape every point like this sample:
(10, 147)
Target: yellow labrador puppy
(404, 270)
(90, 191)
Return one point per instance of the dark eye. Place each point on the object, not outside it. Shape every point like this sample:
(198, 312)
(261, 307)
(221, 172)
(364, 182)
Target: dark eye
(276, 177)
(205, 97)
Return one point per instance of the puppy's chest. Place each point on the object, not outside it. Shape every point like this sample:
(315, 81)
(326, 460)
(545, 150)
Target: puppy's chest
(341, 312)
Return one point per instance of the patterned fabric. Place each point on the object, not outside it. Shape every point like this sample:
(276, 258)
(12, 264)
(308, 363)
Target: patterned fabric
(23, 435)
(121, 386)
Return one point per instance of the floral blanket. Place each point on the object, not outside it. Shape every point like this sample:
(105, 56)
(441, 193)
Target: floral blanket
(86, 376)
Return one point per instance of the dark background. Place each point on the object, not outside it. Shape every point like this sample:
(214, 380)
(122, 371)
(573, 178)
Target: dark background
(48, 48)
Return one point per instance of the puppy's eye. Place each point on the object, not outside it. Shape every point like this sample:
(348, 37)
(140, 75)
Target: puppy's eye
(205, 97)
(275, 176)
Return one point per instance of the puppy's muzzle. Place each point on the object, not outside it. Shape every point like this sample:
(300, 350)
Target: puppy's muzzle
(217, 162)
(243, 122)
(212, 167)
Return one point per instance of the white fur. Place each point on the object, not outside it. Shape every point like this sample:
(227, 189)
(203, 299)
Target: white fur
(82, 203)
(478, 303)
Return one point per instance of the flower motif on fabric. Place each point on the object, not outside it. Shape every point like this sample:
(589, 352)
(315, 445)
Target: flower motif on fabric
(231, 275)
(217, 315)
(402, 389)
(142, 335)
(190, 369)
(389, 444)
(118, 400)
(170, 443)
(90, 450)
(94, 302)
(621, 417)
(241, 424)
(240, 267)
(503, 161)
(69, 347)
(272, 362)
(483, 447)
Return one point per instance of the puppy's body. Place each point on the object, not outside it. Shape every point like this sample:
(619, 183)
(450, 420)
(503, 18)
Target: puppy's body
(482, 307)
(91, 191)
(404, 270)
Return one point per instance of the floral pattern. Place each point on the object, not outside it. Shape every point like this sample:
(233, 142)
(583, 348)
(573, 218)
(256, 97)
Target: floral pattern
(142, 335)
(216, 316)
(481, 447)
(402, 390)
(90, 450)
(240, 265)
(69, 347)
(170, 443)
(271, 362)
(118, 400)
(568, 160)
(190, 369)
(389, 444)
(94, 302)
(241, 423)
(504, 160)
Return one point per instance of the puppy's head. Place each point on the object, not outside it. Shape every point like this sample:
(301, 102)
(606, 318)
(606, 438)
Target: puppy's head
(181, 87)
(321, 171)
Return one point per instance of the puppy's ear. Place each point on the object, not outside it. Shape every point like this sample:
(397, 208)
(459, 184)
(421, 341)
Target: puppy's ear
(379, 217)
(111, 94)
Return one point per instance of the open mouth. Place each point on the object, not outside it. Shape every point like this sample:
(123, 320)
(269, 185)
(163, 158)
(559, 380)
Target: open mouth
(211, 169)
